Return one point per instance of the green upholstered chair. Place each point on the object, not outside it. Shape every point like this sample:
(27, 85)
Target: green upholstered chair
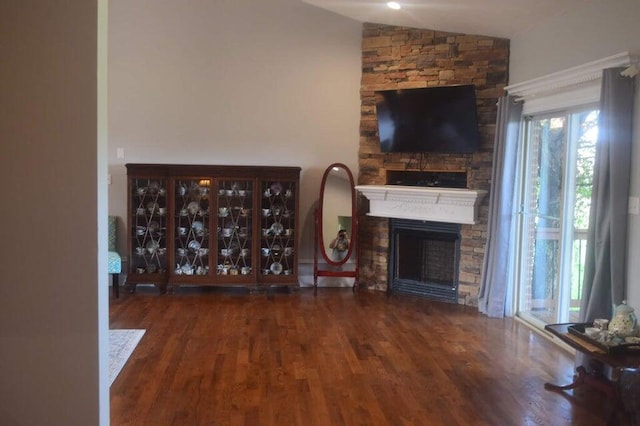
(115, 261)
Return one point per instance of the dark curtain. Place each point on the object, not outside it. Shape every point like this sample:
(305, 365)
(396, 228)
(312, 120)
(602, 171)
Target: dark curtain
(495, 268)
(605, 266)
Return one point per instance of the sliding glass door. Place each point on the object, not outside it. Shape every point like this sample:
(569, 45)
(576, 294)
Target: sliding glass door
(557, 177)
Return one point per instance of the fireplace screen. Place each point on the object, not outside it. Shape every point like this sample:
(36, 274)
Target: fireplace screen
(424, 259)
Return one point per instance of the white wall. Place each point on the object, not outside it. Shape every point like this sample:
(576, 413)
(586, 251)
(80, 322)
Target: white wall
(50, 303)
(599, 29)
(233, 82)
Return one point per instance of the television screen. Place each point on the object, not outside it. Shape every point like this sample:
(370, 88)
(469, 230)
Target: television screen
(436, 119)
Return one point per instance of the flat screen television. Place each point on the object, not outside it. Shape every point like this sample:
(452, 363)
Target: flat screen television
(435, 119)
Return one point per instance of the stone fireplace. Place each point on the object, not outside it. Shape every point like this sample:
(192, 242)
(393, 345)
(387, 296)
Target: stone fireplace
(404, 58)
(424, 235)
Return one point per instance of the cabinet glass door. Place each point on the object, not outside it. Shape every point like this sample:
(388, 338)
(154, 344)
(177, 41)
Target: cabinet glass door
(235, 210)
(277, 226)
(192, 243)
(149, 218)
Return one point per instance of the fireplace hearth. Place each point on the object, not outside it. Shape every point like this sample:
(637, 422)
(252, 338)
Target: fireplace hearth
(424, 259)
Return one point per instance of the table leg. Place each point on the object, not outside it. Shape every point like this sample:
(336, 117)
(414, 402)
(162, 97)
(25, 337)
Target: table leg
(629, 383)
(578, 380)
(582, 377)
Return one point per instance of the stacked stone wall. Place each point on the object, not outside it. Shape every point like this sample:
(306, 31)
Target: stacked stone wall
(406, 58)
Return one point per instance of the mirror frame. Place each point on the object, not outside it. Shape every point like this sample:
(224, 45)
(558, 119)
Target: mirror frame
(354, 218)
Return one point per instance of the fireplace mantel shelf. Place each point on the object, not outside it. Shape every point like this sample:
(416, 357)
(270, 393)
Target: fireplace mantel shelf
(452, 205)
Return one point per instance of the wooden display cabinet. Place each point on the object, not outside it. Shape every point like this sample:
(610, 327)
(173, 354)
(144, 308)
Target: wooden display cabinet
(212, 225)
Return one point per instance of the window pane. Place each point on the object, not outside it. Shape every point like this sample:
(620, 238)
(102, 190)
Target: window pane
(586, 134)
(542, 217)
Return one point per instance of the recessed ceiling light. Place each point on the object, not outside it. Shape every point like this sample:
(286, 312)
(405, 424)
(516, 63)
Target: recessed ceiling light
(393, 5)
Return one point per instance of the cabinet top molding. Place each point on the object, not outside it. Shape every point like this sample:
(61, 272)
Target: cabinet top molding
(211, 170)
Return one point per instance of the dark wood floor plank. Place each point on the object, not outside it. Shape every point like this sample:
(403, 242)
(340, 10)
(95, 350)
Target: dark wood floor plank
(338, 358)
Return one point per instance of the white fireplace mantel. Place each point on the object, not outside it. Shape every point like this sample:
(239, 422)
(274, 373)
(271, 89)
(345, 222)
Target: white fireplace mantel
(451, 205)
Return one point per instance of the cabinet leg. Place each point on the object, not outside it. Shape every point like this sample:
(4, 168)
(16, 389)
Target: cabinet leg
(115, 283)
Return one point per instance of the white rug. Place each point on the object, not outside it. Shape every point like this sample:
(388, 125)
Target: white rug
(121, 346)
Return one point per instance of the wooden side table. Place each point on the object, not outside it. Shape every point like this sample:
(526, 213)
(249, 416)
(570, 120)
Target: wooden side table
(624, 385)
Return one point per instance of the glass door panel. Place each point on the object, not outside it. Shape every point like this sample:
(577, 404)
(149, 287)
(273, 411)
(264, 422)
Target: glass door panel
(234, 227)
(541, 218)
(192, 226)
(277, 224)
(149, 218)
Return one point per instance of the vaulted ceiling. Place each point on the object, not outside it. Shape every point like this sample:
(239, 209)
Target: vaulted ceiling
(499, 18)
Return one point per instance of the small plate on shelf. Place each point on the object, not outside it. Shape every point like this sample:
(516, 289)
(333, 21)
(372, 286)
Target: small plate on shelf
(152, 207)
(193, 245)
(196, 192)
(278, 209)
(276, 268)
(276, 228)
(197, 226)
(152, 246)
(153, 187)
(276, 188)
(193, 208)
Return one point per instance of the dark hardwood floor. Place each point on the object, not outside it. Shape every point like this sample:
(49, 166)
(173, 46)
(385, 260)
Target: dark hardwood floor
(338, 358)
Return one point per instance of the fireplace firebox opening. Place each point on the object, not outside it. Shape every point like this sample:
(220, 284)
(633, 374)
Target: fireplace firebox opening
(424, 259)
(429, 179)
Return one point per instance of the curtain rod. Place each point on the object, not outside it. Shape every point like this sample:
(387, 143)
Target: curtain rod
(631, 71)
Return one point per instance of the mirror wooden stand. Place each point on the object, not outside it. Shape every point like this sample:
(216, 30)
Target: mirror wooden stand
(336, 227)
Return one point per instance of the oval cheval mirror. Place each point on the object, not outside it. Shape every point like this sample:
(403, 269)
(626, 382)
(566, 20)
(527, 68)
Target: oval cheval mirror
(336, 223)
